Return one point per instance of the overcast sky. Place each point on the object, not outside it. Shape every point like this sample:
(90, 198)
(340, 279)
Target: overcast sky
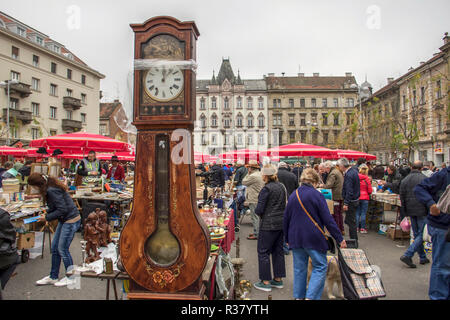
(380, 38)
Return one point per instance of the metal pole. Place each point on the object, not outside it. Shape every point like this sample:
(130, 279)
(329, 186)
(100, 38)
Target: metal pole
(7, 118)
(360, 119)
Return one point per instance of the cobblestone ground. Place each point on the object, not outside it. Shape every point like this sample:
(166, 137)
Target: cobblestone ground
(400, 282)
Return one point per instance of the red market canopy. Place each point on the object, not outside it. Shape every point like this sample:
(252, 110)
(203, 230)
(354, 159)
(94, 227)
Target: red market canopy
(353, 155)
(203, 158)
(246, 155)
(299, 149)
(11, 151)
(82, 142)
(100, 156)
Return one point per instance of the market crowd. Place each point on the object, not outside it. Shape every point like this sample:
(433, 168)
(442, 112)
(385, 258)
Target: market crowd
(290, 213)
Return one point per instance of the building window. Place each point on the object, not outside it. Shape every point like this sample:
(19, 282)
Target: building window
(250, 121)
(336, 119)
(14, 131)
(69, 114)
(214, 120)
(303, 119)
(404, 102)
(423, 126)
(350, 103)
(239, 120)
(315, 137)
(348, 116)
(35, 61)
(314, 119)
(15, 76)
(291, 103)
(422, 95)
(250, 139)
(261, 139)
(83, 98)
(336, 102)
(439, 124)
(202, 121)
(336, 135)
(214, 139)
(325, 137)
(260, 103)
(202, 104)
(239, 139)
(103, 129)
(53, 132)
(324, 102)
(35, 109)
(414, 98)
(69, 92)
(21, 32)
(250, 103)
(291, 120)
(239, 103)
(303, 136)
(35, 84)
(227, 139)
(35, 133)
(438, 89)
(226, 103)
(277, 119)
(57, 49)
(53, 89)
(324, 119)
(53, 67)
(213, 103)
(69, 74)
(313, 102)
(13, 103)
(261, 121)
(83, 79)
(39, 40)
(277, 103)
(83, 118)
(203, 139)
(302, 102)
(291, 136)
(15, 53)
(227, 122)
(53, 112)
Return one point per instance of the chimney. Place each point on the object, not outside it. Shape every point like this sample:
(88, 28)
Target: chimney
(422, 62)
(389, 80)
(116, 100)
(315, 74)
(282, 74)
(410, 69)
(271, 74)
(301, 74)
(446, 38)
(348, 74)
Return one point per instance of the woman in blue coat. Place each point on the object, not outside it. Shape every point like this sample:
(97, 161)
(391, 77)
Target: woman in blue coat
(305, 239)
(61, 208)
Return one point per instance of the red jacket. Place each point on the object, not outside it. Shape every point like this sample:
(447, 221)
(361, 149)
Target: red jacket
(118, 175)
(365, 187)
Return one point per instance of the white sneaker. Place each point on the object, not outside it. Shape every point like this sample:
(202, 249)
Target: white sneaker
(64, 282)
(45, 281)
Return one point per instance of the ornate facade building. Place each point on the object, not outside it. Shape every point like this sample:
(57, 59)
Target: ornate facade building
(114, 122)
(317, 110)
(410, 115)
(55, 92)
(231, 113)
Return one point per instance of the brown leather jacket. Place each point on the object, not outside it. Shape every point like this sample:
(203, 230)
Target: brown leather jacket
(335, 182)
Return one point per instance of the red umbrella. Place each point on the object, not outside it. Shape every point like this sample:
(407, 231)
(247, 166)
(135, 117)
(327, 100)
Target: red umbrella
(81, 141)
(203, 158)
(301, 150)
(352, 155)
(11, 151)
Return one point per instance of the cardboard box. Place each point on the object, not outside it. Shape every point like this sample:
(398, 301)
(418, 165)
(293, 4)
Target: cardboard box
(397, 234)
(25, 240)
(330, 204)
(387, 207)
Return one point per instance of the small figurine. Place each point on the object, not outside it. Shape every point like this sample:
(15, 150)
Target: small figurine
(91, 235)
(103, 228)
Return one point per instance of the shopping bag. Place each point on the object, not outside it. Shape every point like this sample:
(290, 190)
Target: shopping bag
(359, 280)
(405, 224)
(444, 201)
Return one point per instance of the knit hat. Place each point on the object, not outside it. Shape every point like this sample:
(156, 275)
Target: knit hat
(269, 170)
(253, 164)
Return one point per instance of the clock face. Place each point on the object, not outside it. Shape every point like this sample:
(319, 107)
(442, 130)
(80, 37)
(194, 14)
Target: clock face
(164, 83)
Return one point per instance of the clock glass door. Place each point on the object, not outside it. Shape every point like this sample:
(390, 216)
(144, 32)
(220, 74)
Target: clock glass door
(162, 247)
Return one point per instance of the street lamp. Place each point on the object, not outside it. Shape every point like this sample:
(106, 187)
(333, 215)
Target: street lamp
(355, 86)
(7, 84)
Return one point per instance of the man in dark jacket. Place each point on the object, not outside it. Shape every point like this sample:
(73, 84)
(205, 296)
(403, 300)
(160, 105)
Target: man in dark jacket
(287, 178)
(428, 192)
(8, 252)
(89, 166)
(298, 169)
(350, 193)
(241, 171)
(393, 180)
(417, 213)
(217, 175)
(378, 172)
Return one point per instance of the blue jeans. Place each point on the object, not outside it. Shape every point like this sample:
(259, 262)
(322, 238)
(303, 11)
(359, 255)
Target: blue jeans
(60, 246)
(417, 226)
(440, 268)
(318, 275)
(361, 213)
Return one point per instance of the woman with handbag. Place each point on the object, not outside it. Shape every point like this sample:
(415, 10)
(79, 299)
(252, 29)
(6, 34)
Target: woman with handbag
(305, 217)
(61, 207)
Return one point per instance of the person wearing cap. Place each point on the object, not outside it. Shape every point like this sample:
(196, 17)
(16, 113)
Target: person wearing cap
(378, 171)
(241, 171)
(287, 178)
(254, 183)
(116, 172)
(271, 204)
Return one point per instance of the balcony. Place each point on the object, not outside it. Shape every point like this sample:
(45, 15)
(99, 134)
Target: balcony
(71, 125)
(20, 88)
(71, 103)
(25, 116)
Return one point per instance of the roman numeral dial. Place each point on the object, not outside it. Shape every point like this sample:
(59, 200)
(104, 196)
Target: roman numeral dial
(164, 83)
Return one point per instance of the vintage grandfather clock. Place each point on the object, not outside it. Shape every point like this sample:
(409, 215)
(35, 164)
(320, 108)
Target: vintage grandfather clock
(165, 244)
